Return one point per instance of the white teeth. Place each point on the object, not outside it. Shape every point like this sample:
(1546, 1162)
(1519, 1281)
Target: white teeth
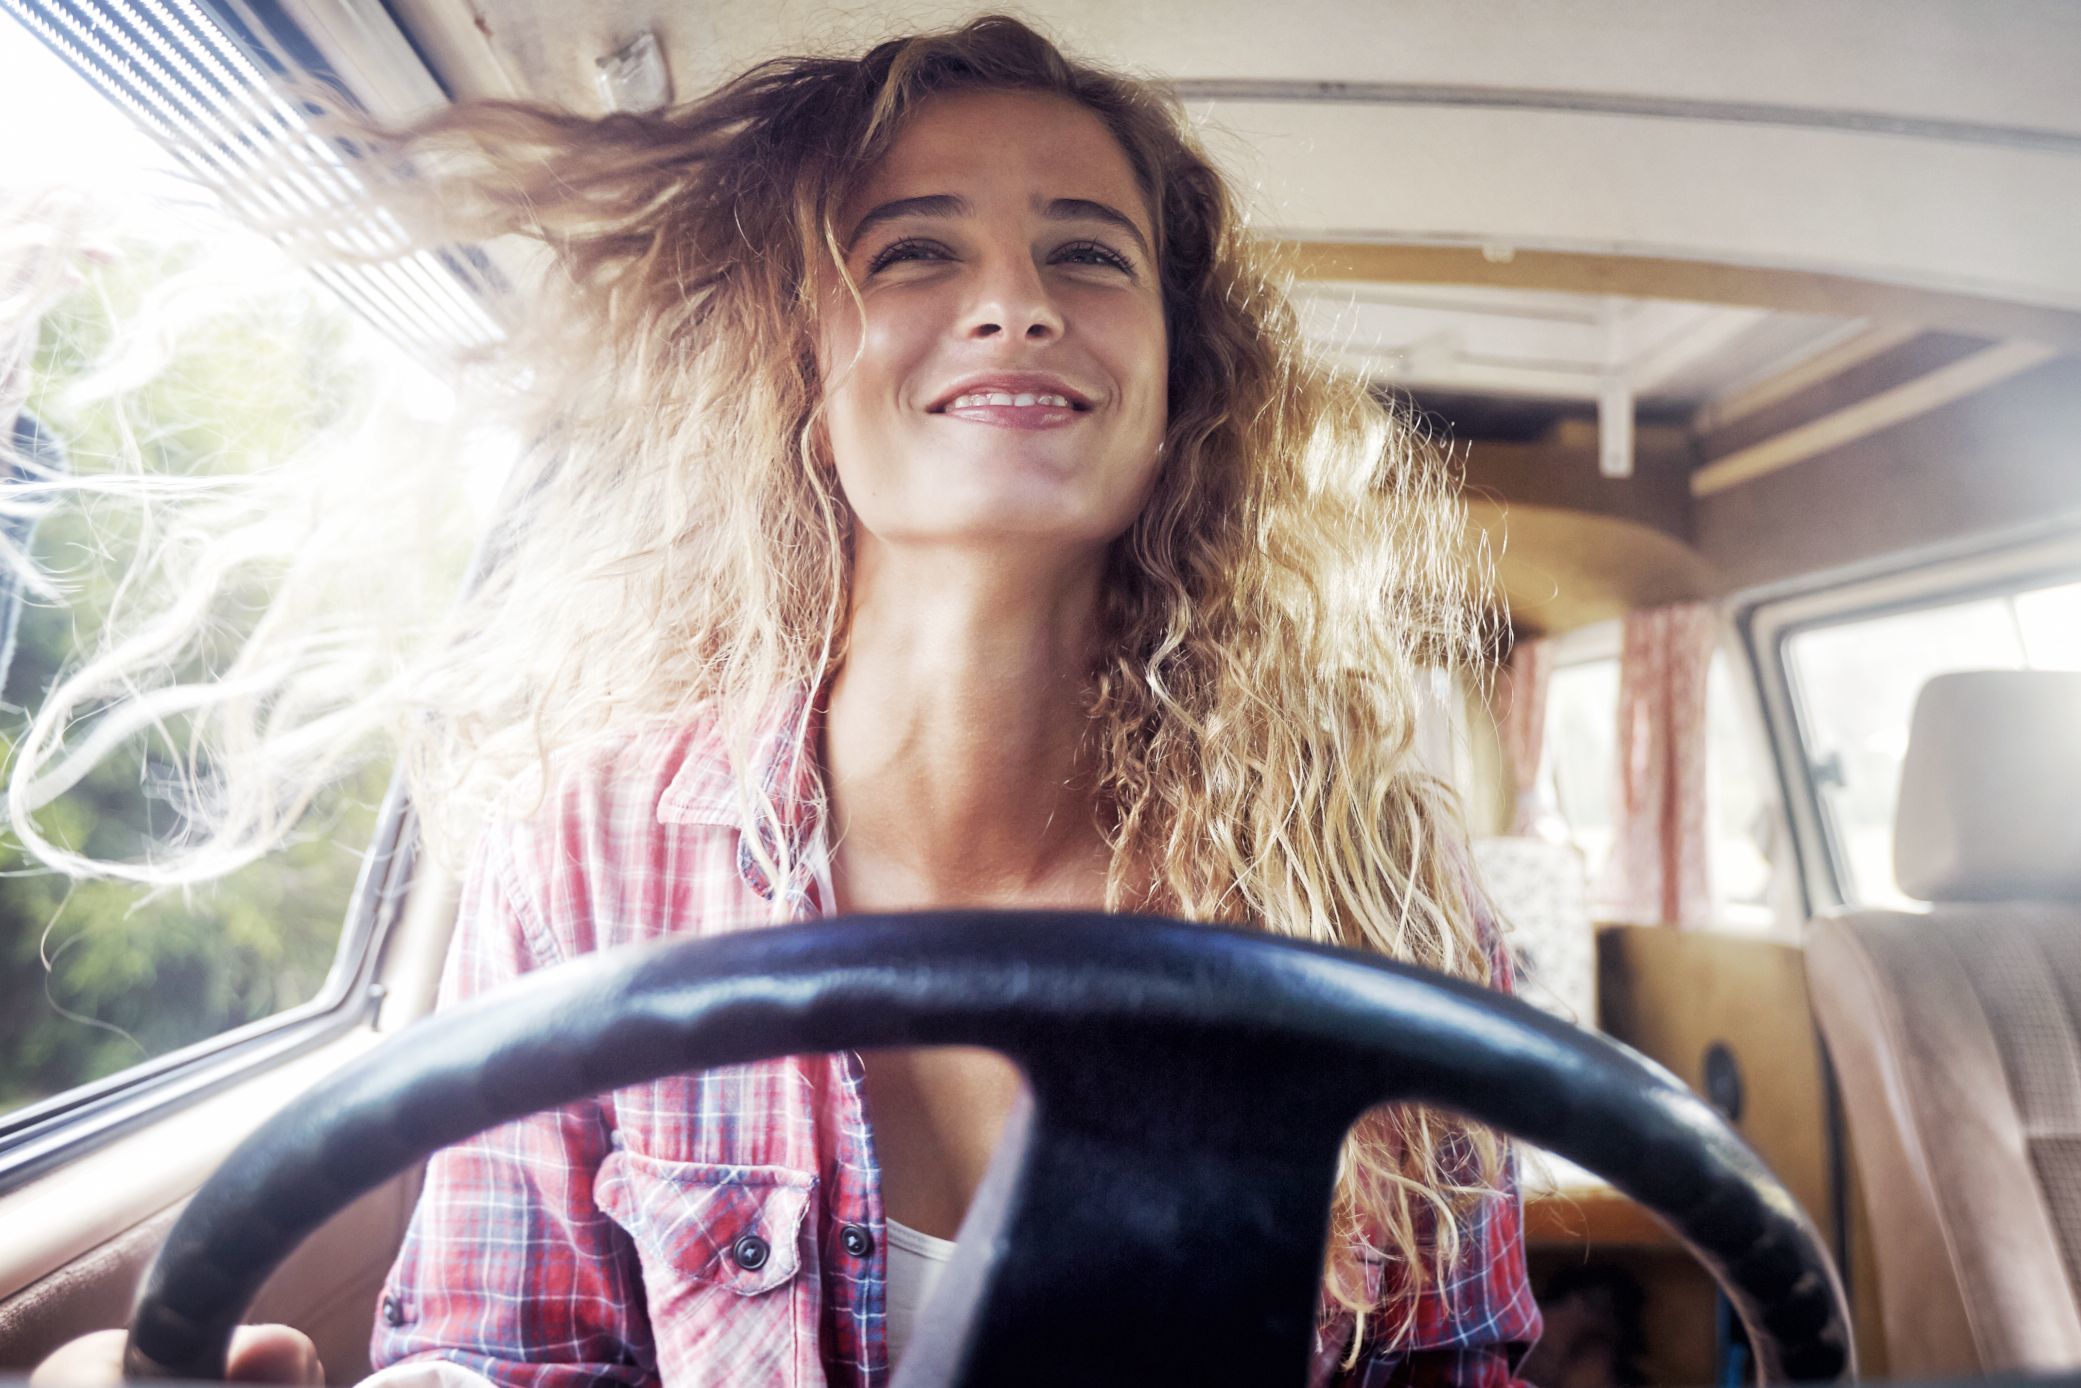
(962, 402)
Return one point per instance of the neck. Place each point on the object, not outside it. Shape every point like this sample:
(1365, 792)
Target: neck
(955, 733)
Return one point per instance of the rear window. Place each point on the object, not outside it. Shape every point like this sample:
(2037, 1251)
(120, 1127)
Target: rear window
(1580, 784)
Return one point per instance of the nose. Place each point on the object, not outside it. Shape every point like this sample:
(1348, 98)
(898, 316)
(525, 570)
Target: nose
(1012, 301)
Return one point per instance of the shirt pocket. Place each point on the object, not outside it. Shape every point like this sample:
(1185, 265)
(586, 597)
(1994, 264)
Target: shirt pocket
(721, 1248)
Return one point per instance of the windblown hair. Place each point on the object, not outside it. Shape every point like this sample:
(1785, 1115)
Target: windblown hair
(679, 545)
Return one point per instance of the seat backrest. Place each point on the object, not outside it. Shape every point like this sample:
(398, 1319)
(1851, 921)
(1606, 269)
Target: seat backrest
(1956, 1034)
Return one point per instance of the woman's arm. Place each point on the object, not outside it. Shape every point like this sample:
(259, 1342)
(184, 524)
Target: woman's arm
(1470, 1330)
(509, 1269)
(1473, 1328)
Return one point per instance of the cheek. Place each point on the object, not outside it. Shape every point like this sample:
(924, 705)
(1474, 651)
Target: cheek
(846, 359)
(870, 364)
(1140, 353)
(863, 364)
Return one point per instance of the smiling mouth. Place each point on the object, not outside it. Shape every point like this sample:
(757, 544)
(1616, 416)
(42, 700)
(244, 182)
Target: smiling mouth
(1025, 411)
(1018, 400)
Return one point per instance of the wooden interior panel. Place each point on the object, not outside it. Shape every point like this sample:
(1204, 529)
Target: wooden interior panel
(1677, 1304)
(1560, 469)
(1998, 460)
(1912, 358)
(1671, 994)
(1560, 568)
(1601, 1219)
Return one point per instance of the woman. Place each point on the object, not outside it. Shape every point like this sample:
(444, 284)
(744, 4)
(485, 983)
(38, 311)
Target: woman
(943, 513)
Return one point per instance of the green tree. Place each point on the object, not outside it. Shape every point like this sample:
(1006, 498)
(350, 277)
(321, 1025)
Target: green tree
(96, 975)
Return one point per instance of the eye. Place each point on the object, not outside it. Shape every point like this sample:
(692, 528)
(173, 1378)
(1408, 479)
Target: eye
(912, 248)
(1094, 253)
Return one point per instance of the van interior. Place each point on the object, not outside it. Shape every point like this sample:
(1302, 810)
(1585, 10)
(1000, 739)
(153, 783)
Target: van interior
(1755, 332)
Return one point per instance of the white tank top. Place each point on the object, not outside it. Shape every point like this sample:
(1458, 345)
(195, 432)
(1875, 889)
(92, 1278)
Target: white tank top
(915, 1263)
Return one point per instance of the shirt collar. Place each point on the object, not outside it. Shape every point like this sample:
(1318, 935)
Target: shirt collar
(704, 789)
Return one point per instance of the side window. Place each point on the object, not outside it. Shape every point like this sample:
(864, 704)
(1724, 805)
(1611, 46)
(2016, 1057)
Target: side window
(1741, 806)
(1854, 683)
(183, 352)
(1580, 783)
(1582, 715)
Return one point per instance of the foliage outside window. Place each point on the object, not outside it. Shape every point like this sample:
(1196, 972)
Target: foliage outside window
(248, 361)
(99, 974)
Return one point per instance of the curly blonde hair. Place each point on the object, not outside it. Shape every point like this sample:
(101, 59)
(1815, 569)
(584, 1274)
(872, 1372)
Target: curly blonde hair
(679, 544)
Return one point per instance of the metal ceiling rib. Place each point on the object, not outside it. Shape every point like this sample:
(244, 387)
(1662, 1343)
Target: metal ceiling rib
(182, 76)
(1248, 89)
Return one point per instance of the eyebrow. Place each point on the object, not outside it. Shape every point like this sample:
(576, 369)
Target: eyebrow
(952, 205)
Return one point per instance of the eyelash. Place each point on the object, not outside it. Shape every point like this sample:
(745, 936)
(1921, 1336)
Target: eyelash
(896, 250)
(1105, 253)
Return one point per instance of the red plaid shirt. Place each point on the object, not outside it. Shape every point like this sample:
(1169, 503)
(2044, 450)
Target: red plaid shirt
(604, 1242)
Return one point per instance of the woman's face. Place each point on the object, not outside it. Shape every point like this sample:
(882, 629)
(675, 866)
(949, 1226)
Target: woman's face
(1010, 378)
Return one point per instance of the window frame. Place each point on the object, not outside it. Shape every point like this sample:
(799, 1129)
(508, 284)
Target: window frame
(48, 1133)
(1767, 619)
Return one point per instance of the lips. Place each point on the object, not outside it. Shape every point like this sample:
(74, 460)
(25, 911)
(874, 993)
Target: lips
(1011, 390)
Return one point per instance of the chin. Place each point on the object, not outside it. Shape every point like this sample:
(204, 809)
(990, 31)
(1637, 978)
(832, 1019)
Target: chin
(1023, 512)
(1022, 527)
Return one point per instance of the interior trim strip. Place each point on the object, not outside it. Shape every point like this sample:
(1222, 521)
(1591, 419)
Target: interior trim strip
(1622, 104)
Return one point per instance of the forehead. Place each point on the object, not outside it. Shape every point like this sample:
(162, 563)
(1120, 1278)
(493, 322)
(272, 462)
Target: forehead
(973, 143)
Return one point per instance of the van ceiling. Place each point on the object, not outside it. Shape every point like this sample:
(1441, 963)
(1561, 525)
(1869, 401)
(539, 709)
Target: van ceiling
(1748, 221)
(1899, 139)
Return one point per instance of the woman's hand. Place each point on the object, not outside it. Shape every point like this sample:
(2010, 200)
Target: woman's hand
(259, 1354)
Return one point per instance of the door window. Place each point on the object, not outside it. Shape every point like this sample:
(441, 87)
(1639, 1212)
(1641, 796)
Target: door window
(185, 351)
(1854, 684)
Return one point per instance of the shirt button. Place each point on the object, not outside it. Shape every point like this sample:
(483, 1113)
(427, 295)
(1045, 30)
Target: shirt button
(393, 1311)
(751, 1252)
(856, 1240)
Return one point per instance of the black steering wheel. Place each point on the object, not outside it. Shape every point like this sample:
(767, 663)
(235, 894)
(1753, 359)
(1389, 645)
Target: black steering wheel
(1157, 1211)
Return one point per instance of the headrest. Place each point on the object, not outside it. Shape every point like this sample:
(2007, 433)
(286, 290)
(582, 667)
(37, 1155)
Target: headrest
(1990, 791)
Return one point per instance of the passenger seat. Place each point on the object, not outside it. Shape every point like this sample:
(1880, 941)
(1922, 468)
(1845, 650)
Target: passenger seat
(1956, 1034)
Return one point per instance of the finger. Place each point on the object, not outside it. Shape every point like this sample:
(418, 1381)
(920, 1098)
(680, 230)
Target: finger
(85, 1362)
(272, 1354)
